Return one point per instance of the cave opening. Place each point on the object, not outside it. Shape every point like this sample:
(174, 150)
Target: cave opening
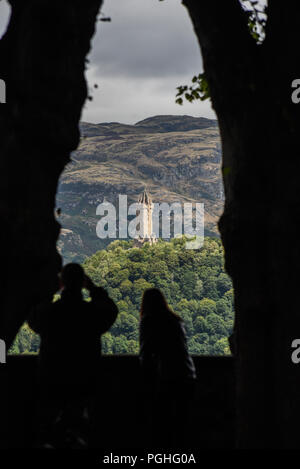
(59, 129)
(258, 171)
(145, 141)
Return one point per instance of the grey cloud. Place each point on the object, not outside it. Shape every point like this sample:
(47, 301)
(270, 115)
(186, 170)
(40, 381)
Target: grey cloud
(129, 101)
(139, 59)
(146, 38)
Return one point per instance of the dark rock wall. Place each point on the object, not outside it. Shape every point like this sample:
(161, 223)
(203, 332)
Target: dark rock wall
(42, 61)
(251, 91)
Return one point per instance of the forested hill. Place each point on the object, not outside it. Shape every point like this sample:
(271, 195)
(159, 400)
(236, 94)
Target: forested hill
(193, 281)
(177, 158)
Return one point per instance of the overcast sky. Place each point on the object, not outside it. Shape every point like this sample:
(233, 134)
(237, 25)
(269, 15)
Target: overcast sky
(138, 59)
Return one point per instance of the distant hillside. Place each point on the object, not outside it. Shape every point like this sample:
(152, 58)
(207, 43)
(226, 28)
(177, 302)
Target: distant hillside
(177, 157)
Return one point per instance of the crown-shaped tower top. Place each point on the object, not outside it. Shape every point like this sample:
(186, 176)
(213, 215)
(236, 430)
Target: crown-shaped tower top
(146, 212)
(145, 198)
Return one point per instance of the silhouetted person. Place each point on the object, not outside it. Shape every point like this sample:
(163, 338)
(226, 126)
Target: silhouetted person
(168, 370)
(70, 331)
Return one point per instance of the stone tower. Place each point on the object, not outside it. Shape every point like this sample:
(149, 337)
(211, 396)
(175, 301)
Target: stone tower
(147, 214)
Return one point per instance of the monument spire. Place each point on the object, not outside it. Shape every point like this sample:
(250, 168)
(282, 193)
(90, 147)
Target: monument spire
(147, 213)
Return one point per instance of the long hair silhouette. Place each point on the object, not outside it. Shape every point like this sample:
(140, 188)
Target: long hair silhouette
(168, 371)
(154, 303)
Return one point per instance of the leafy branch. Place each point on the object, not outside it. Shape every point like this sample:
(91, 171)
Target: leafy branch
(198, 90)
(257, 19)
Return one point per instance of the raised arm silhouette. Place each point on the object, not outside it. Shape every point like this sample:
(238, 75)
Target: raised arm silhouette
(69, 358)
(167, 369)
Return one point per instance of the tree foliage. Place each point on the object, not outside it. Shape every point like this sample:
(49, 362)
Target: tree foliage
(193, 281)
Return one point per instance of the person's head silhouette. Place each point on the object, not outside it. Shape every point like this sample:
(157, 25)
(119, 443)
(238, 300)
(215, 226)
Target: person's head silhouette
(72, 277)
(154, 303)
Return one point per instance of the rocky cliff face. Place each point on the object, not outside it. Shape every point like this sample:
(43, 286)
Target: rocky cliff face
(177, 158)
